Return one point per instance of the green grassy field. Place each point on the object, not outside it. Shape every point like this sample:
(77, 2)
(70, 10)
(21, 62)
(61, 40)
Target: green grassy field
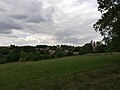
(91, 72)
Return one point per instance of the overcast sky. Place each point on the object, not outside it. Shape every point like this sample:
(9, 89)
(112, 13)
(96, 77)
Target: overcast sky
(51, 22)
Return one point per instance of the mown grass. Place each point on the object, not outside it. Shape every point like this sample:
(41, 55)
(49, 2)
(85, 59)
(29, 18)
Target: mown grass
(92, 72)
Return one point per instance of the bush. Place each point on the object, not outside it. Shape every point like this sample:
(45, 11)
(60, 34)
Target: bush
(2, 60)
(34, 56)
(59, 54)
(4, 50)
(1, 55)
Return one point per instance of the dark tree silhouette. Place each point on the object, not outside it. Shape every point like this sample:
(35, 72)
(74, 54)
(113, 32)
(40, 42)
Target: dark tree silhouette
(109, 24)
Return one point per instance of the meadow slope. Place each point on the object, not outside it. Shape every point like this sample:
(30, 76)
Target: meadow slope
(91, 72)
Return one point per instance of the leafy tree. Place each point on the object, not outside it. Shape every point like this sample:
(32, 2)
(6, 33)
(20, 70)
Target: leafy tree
(24, 56)
(13, 55)
(4, 50)
(81, 51)
(59, 54)
(109, 24)
(88, 48)
(100, 47)
(27, 49)
(34, 56)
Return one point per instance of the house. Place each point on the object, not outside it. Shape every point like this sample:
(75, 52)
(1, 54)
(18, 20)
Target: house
(51, 52)
(75, 53)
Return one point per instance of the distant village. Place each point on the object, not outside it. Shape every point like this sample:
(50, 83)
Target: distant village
(42, 52)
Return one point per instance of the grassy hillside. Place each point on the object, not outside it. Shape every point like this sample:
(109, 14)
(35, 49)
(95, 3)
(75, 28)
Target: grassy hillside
(98, 72)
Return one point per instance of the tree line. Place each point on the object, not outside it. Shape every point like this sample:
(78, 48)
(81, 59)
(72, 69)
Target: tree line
(42, 52)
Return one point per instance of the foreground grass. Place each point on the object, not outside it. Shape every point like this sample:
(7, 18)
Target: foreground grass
(99, 72)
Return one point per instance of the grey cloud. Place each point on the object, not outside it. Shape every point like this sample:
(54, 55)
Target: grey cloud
(69, 24)
(36, 18)
(4, 7)
(30, 10)
(35, 12)
(41, 15)
(19, 17)
(7, 24)
(5, 31)
(79, 39)
(75, 38)
(16, 13)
